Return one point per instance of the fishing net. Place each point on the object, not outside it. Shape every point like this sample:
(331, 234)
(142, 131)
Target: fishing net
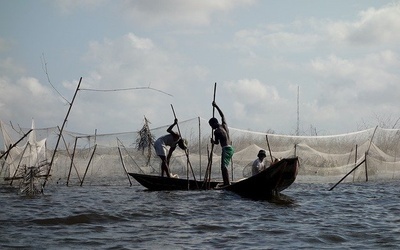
(105, 159)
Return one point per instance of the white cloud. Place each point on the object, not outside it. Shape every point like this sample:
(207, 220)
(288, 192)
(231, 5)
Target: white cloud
(27, 98)
(35, 88)
(373, 27)
(179, 12)
(131, 61)
(377, 25)
(254, 103)
(10, 67)
(252, 91)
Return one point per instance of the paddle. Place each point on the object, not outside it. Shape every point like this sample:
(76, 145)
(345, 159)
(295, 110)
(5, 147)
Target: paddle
(207, 177)
(186, 150)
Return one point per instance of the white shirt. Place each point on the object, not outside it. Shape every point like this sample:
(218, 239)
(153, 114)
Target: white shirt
(257, 166)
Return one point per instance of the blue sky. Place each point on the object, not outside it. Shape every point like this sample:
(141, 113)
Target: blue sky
(342, 55)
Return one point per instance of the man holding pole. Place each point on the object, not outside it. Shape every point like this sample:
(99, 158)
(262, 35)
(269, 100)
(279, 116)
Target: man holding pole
(221, 136)
(172, 139)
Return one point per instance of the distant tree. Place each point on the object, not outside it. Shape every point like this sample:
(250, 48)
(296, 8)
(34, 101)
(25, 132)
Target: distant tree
(382, 121)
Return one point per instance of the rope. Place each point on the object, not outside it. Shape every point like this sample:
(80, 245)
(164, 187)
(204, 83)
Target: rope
(125, 89)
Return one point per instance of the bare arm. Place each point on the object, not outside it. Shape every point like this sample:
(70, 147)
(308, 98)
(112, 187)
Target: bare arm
(225, 134)
(169, 129)
(170, 153)
(220, 112)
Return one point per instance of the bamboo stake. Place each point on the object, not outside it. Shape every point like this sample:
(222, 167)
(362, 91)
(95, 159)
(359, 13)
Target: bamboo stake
(19, 164)
(366, 168)
(232, 167)
(72, 162)
(199, 145)
(59, 137)
(366, 153)
(123, 165)
(15, 144)
(69, 154)
(4, 162)
(126, 151)
(269, 148)
(87, 167)
(347, 174)
(364, 161)
(355, 159)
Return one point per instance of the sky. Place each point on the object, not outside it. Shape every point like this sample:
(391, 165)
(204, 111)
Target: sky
(306, 67)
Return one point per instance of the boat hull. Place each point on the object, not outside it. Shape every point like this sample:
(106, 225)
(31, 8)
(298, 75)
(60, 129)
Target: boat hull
(159, 183)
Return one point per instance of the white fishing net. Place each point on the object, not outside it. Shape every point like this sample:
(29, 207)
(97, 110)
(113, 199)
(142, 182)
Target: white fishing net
(105, 159)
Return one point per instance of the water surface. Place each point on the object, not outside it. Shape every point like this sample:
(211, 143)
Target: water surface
(307, 216)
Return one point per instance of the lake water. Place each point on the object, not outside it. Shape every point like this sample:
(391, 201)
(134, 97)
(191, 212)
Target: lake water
(307, 216)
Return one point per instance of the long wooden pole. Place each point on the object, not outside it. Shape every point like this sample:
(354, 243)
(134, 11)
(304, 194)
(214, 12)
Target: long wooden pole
(186, 150)
(61, 131)
(207, 177)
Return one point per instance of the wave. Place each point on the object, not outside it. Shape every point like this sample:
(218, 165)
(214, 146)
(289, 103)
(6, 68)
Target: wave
(85, 218)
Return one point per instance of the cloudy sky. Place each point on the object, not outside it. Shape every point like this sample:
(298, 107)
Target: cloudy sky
(342, 56)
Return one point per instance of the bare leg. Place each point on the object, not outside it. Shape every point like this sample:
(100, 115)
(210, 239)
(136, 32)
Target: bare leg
(164, 166)
(225, 175)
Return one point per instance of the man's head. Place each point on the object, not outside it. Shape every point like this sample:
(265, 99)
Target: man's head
(182, 143)
(261, 154)
(213, 122)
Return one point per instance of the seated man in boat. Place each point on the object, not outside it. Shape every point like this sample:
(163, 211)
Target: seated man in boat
(171, 140)
(221, 136)
(258, 164)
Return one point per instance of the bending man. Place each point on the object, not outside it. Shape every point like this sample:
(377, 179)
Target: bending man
(171, 140)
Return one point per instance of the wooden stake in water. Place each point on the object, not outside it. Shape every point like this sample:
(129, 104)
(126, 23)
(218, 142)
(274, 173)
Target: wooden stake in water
(269, 148)
(15, 144)
(61, 131)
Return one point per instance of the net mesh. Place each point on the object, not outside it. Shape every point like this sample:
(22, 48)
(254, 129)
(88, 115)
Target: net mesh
(105, 159)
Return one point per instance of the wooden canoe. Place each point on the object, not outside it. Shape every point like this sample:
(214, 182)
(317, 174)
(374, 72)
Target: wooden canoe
(263, 185)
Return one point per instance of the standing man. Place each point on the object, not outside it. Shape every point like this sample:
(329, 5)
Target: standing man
(221, 136)
(258, 164)
(171, 140)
